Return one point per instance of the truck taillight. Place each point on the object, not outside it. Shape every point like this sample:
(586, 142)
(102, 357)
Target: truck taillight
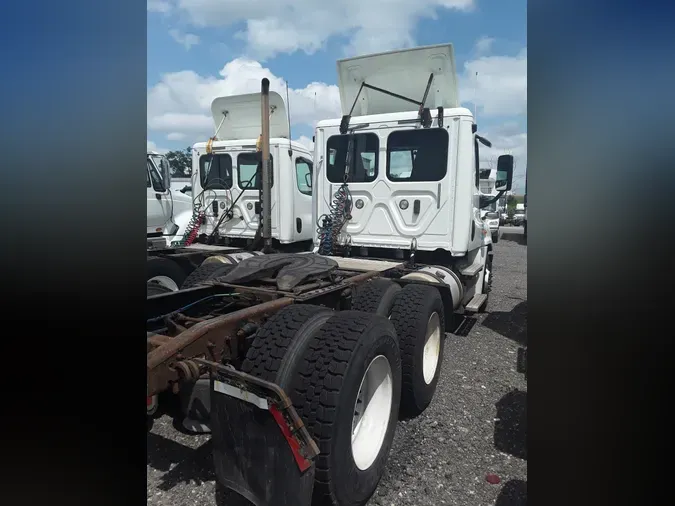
(149, 400)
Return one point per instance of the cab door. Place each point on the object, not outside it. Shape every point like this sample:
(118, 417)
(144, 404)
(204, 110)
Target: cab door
(158, 204)
(302, 208)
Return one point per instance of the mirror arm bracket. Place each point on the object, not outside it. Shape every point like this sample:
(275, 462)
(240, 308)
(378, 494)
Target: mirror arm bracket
(494, 199)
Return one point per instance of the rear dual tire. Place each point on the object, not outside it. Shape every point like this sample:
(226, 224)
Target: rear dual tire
(164, 272)
(342, 371)
(418, 314)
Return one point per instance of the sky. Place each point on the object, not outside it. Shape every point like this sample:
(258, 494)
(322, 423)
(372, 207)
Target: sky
(201, 49)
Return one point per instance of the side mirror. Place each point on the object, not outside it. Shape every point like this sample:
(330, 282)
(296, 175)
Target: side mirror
(166, 172)
(504, 173)
(308, 179)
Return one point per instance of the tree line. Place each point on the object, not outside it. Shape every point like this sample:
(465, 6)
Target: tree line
(180, 162)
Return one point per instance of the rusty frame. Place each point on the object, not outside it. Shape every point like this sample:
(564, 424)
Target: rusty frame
(170, 359)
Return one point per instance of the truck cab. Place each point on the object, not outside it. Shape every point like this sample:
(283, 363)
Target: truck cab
(168, 211)
(227, 182)
(399, 171)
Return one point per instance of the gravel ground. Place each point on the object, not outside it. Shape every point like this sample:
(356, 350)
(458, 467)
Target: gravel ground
(474, 427)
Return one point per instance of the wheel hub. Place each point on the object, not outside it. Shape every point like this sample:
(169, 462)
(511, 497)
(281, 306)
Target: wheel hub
(372, 411)
(165, 281)
(432, 348)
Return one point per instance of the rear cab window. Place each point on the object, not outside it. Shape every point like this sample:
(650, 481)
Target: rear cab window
(215, 172)
(364, 158)
(417, 155)
(247, 165)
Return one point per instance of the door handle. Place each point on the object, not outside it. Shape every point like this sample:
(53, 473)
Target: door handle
(416, 207)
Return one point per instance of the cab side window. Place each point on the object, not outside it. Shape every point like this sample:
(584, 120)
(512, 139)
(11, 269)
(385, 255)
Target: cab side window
(303, 172)
(155, 178)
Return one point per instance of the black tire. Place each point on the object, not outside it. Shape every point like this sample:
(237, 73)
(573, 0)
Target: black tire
(206, 272)
(326, 391)
(319, 357)
(156, 289)
(495, 237)
(279, 344)
(414, 306)
(376, 296)
(164, 267)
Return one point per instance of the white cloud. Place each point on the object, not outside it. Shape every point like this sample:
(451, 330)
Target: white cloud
(153, 147)
(484, 45)
(306, 141)
(186, 40)
(285, 26)
(500, 88)
(159, 6)
(180, 103)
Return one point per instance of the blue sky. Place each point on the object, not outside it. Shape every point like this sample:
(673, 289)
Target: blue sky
(199, 49)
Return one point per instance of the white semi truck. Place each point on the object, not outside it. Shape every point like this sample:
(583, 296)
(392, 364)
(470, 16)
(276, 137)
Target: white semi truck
(490, 212)
(170, 213)
(300, 364)
(227, 182)
(223, 207)
(421, 196)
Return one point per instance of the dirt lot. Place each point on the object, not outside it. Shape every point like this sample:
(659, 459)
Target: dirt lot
(475, 426)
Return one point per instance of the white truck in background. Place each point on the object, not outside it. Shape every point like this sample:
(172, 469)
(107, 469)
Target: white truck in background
(519, 216)
(227, 181)
(168, 211)
(169, 215)
(490, 213)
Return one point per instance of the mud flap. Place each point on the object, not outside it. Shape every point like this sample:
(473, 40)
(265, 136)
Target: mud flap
(261, 448)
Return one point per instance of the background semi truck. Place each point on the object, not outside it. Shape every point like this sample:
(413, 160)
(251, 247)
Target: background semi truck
(227, 183)
(490, 213)
(172, 255)
(300, 364)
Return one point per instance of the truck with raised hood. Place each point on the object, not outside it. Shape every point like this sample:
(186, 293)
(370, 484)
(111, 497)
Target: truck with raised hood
(172, 254)
(227, 185)
(223, 206)
(300, 364)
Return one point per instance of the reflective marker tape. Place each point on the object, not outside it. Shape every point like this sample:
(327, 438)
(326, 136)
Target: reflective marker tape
(238, 393)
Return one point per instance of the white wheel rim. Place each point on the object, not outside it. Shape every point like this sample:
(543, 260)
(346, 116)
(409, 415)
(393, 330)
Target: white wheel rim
(432, 348)
(372, 411)
(165, 281)
(486, 276)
